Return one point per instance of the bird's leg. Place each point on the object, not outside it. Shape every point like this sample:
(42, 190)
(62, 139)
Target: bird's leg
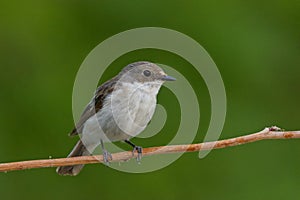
(106, 154)
(136, 148)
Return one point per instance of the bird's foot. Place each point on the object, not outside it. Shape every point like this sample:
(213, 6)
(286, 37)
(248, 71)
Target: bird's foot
(136, 148)
(139, 150)
(106, 157)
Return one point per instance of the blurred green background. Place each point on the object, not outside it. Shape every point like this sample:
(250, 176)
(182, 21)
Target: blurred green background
(255, 44)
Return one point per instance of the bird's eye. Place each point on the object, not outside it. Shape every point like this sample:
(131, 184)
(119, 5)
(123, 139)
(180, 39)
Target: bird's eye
(147, 73)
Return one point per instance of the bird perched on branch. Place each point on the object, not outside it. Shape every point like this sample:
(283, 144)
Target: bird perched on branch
(120, 109)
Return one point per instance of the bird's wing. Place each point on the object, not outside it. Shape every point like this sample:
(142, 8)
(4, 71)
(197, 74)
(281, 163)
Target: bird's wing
(95, 105)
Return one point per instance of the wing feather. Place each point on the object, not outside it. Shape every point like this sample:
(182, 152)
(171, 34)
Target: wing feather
(95, 105)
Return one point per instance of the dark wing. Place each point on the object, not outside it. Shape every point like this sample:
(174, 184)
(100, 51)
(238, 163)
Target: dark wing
(95, 105)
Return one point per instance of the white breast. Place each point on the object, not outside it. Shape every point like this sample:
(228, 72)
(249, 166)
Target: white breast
(125, 113)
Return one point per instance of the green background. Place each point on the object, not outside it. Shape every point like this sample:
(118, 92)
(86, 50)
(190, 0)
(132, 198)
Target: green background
(255, 44)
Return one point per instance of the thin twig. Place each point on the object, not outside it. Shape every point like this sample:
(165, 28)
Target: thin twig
(267, 133)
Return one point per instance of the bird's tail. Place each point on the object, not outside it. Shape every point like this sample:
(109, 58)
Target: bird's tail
(73, 170)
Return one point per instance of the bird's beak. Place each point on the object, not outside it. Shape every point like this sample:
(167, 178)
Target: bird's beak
(168, 78)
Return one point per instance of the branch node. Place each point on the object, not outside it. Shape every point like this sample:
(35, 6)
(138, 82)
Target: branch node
(275, 128)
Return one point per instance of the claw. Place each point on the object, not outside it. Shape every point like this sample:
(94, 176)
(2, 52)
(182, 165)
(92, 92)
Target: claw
(136, 148)
(139, 150)
(106, 157)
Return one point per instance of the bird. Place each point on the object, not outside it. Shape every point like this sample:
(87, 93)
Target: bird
(120, 109)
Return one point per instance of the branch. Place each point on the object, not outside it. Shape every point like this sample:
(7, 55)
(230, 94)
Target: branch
(267, 133)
